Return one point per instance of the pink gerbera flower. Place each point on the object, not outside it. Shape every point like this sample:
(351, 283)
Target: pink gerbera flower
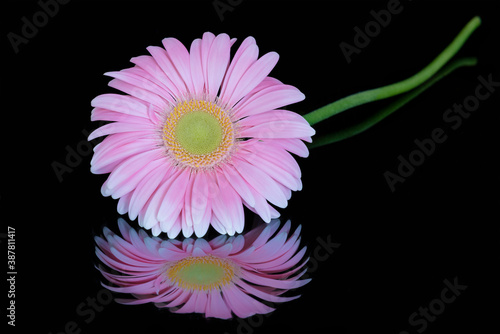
(198, 136)
(214, 278)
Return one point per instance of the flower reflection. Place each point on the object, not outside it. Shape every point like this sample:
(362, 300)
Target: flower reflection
(225, 275)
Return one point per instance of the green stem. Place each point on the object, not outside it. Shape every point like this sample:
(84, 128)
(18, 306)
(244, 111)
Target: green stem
(383, 113)
(384, 92)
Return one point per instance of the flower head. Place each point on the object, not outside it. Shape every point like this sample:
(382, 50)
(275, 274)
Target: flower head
(198, 136)
(216, 278)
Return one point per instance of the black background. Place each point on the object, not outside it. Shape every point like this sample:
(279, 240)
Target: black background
(396, 248)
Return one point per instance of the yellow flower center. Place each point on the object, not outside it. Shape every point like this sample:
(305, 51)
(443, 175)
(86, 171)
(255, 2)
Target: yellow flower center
(198, 134)
(201, 273)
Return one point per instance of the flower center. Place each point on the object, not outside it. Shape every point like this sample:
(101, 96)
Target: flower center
(201, 273)
(198, 134)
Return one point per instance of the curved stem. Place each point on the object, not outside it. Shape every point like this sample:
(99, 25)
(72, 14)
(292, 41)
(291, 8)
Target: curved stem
(399, 103)
(384, 92)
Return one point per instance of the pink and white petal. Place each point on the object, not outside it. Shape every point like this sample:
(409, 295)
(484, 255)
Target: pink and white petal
(100, 114)
(275, 171)
(286, 191)
(216, 306)
(175, 214)
(227, 206)
(217, 62)
(187, 245)
(264, 84)
(217, 225)
(221, 215)
(249, 57)
(223, 251)
(203, 245)
(112, 142)
(149, 212)
(199, 199)
(266, 252)
(106, 158)
(281, 264)
(126, 176)
(280, 157)
(186, 203)
(278, 128)
(178, 297)
(179, 56)
(156, 79)
(190, 303)
(124, 104)
(271, 282)
(201, 229)
(254, 75)
(160, 55)
(132, 77)
(140, 93)
(173, 230)
(123, 203)
(260, 207)
(234, 204)
(174, 194)
(242, 304)
(197, 252)
(219, 241)
(156, 230)
(263, 295)
(238, 243)
(268, 99)
(205, 46)
(145, 189)
(120, 127)
(261, 182)
(201, 302)
(234, 179)
(124, 229)
(187, 231)
(263, 238)
(244, 45)
(148, 64)
(293, 145)
(196, 68)
(137, 240)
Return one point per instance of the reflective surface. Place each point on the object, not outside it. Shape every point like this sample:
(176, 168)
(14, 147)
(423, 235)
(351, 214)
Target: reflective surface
(376, 256)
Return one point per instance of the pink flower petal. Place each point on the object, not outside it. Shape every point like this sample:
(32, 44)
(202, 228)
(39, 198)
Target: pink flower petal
(179, 57)
(245, 56)
(125, 104)
(160, 55)
(268, 99)
(196, 67)
(149, 65)
(217, 62)
(254, 75)
(261, 182)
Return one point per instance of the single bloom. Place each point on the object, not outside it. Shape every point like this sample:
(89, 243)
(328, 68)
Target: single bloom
(198, 135)
(217, 278)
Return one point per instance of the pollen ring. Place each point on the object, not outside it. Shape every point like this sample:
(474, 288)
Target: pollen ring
(198, 134)
(201, 272)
